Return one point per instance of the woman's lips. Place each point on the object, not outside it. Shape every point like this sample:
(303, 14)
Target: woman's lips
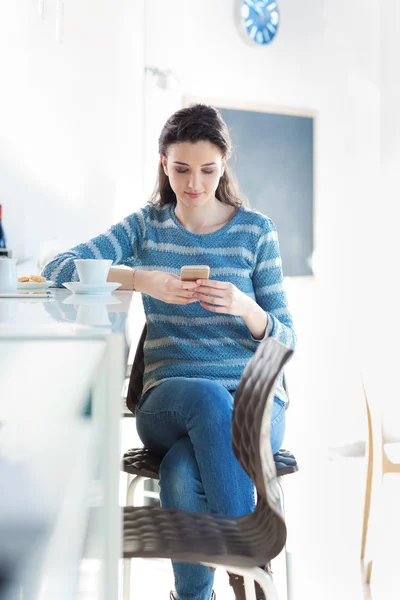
(193, 195)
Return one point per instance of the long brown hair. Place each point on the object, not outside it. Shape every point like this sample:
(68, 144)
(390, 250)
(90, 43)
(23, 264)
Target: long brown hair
(194, 124)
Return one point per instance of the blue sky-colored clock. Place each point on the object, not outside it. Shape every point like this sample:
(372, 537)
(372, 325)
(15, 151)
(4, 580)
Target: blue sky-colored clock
(258, 20)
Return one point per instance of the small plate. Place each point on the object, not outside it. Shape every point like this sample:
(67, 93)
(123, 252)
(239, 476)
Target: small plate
(34, 285)
(76, 287)
(86, 300)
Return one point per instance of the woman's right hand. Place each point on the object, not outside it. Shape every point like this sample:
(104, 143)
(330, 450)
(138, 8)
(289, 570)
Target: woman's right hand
(166, 287)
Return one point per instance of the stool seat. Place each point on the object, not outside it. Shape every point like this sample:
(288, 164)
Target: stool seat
(143, 462)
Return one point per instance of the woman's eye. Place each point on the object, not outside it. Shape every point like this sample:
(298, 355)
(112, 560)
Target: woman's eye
(208, 172)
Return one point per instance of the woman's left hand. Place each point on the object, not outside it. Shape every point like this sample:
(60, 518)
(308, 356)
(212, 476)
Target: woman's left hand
(222, 297)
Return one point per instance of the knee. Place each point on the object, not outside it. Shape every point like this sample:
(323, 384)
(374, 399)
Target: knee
(212, 402)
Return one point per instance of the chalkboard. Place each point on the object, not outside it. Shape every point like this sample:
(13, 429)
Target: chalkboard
(273, 163)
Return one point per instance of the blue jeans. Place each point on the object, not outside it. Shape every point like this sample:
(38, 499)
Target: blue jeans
(189, 422)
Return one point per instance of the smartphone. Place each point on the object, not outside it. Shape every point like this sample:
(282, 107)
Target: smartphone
(193, 272)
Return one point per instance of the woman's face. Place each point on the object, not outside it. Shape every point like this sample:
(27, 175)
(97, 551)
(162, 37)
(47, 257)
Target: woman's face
(194, 171)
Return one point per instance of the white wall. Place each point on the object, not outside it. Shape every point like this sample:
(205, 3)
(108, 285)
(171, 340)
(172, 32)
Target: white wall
(71, 119)
(387, 213)
(378, 297)
(322, 59)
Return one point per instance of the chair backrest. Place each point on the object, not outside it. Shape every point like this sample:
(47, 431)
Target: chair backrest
(251, 421)
(135, 387)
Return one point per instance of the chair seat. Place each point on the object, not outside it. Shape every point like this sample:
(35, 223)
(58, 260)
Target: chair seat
(190, 537)
(143, 462)
(285, 463)
(140, 461)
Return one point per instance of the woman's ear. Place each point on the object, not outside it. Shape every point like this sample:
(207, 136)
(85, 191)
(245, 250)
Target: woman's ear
(164, 163)
(223, 165)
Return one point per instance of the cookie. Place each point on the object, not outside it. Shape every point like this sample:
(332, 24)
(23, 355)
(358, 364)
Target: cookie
(37, 278)
(23, 279)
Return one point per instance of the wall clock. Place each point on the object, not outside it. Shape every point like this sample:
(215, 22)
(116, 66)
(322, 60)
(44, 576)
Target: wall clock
(258, 21)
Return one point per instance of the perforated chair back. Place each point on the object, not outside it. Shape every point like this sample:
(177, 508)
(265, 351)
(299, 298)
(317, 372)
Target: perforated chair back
(251, 420)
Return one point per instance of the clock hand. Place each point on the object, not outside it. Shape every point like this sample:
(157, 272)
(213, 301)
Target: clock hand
(258, 7)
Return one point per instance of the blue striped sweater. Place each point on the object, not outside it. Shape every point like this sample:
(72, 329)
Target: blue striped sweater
(189, 341)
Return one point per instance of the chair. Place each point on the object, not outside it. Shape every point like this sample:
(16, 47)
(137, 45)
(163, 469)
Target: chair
(126, 413)
(381, 454)
(238, 545)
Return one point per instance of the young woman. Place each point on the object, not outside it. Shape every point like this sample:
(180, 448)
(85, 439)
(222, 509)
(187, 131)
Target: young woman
(200, 334)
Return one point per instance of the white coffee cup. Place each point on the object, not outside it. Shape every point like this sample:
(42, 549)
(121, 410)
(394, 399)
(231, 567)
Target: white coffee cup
(92, 271)
(8, 275)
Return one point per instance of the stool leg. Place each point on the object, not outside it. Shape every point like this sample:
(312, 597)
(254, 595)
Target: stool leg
(263, 579)
(132, 485)
(129, 479)
(288, 555)
(249, 588)
(132, 488)
(289, 579)
(127, 579)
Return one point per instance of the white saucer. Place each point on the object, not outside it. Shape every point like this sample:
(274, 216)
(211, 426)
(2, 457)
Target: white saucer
(90, 300)
(34, 285)
(77, 287)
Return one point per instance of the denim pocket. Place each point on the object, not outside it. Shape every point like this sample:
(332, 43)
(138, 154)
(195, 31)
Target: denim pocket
(279, 401)
(278, 411)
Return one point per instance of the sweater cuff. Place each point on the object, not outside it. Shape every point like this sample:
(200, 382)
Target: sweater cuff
(268, 330)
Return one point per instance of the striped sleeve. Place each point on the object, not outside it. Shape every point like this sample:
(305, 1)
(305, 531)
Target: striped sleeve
(269, 288)
(119, 244)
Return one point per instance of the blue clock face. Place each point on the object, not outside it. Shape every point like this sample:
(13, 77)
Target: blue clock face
(259, 20)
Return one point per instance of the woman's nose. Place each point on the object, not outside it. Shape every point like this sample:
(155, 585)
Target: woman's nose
(194, 182)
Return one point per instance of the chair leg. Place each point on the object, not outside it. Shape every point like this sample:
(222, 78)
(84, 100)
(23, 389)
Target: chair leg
(129, 479)
(288, 555)
(373, 539)
(281, 494)
(127, 579)
(367, 500)
(249, 588)
(264, 580)
(250, 576)
(132, 489)
(368, 572)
